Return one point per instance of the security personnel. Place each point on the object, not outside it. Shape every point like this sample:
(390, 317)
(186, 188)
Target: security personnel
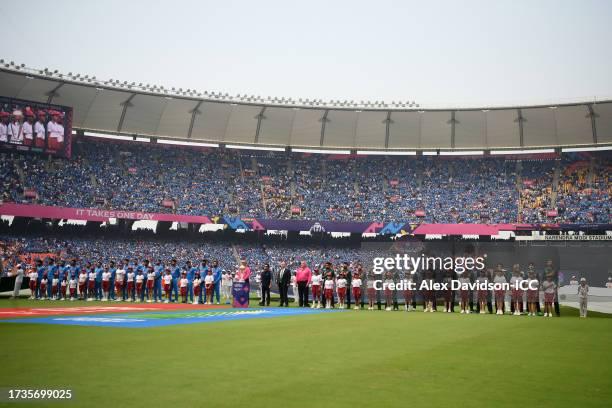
(266, 283)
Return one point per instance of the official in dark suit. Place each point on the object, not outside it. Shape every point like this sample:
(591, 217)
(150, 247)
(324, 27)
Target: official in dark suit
(266, 283)
(283, 279)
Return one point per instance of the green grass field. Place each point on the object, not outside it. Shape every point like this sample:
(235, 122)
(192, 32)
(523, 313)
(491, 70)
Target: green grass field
(350, 359)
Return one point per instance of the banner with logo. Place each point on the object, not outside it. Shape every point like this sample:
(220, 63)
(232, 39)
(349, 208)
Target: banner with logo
(240, 293)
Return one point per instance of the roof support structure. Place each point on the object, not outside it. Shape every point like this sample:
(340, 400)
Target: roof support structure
(520, 119)
(452, 122)
(387, 123)
(53, 93)
(323, 121)
(593, 116)
(195, 111)
(127, 103)
(259, 117)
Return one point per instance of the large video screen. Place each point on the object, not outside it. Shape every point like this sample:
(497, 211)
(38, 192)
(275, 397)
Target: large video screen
(36, 127)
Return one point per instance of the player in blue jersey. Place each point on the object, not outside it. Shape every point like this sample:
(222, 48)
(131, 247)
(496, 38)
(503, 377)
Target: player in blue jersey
(157, 286)
(191, 271)
(41, 269)
(176, 276)
(145, 272)
(113, 271)
(51, 270)
(126, 264)
(99, 270)
(62, 270)
(217, 274)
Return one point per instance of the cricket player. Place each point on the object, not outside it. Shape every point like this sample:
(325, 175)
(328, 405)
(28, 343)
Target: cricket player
(41, 270)
(111, 283)
(191, 271)
(157, 286)
(217, 274)
(51, 272)
(145, 274)
(98, 271)
(74, 269)
(176, 276)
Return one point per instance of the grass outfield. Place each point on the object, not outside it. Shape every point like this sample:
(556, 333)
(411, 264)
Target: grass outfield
(349, 359)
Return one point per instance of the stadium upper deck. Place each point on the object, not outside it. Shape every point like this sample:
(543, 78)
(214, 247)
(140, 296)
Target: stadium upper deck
(137, 109)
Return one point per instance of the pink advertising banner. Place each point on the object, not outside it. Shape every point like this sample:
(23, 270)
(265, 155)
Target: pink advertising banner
(456, 229)
(92, 214)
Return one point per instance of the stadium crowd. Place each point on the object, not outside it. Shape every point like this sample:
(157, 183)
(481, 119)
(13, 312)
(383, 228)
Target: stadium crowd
(158, 178)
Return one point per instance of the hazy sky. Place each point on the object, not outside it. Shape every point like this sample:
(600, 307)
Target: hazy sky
(462, 52)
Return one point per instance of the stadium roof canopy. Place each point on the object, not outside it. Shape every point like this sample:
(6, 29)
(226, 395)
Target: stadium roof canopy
(130, 109)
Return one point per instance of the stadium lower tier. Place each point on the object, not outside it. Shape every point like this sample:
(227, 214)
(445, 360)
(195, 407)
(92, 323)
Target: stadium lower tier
(144, 177)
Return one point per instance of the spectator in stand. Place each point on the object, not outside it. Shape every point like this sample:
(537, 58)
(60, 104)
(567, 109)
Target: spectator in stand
(194, 181)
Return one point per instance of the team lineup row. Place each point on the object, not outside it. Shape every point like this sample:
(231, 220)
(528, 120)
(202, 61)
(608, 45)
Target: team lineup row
(203, 284)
